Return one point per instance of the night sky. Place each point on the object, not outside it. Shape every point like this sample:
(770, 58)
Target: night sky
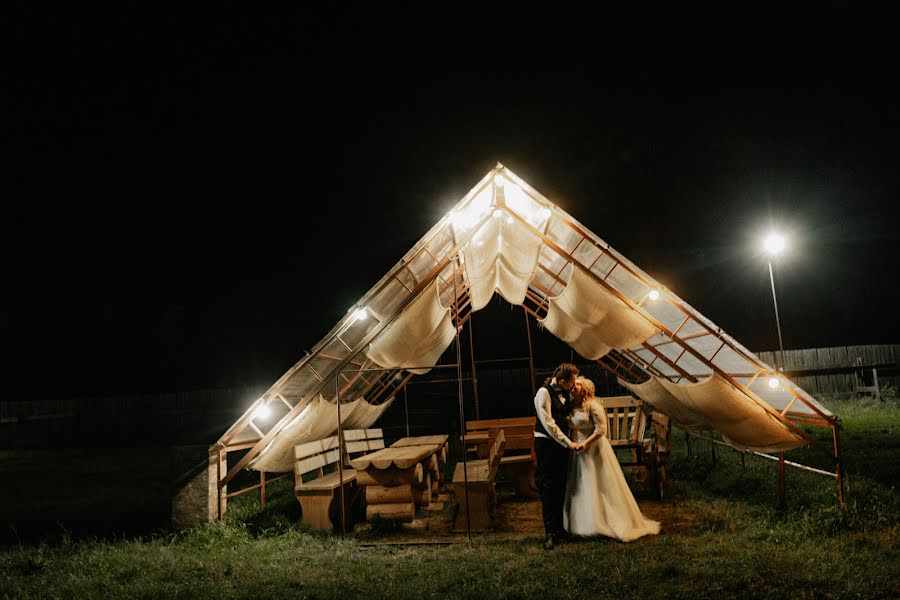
(196, 200)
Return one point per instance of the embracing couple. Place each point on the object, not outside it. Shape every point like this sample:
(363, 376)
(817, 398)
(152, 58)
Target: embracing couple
(586, 495)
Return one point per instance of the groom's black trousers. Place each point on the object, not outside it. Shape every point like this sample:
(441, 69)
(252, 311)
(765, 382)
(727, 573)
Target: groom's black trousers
(552, 471)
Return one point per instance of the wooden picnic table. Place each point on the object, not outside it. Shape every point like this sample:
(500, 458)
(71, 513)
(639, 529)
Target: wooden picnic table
(422, 440)
(399, 477)
(401, 458)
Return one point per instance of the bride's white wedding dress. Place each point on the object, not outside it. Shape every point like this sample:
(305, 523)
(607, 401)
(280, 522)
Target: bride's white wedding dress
(598, 500)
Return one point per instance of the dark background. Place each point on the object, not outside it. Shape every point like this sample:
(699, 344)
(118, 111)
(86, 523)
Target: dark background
(194, 200)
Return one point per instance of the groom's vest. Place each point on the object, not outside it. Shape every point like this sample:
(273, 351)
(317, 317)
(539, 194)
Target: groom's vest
(558, 411)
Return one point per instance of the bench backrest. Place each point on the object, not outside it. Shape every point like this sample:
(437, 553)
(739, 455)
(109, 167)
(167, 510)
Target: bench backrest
(315, 456)
(486, 424)
(496, 454)
(361, 441)
(519, 438)
(626, 418)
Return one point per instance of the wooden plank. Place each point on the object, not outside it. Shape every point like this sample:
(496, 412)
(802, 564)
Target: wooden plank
(404, 513)
(364, 445)
(397, 494)
(362, 434)
(485, 424)
(389, 477)
(424, 440)
(311, 448)
(401, 458)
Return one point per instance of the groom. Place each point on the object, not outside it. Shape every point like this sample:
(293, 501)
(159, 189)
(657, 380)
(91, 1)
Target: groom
(552, 446)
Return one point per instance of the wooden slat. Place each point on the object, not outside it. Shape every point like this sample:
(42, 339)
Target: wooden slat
(310, 448)
(485, 424)
(365, 446)
(318, 461)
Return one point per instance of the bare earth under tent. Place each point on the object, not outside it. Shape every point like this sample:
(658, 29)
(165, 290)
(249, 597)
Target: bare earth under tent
(505, 237)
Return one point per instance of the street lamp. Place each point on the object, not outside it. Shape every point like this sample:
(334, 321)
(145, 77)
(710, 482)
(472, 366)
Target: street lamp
(774, 244)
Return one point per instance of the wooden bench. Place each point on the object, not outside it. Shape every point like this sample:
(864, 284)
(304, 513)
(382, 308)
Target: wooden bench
(361, 441)
(317, 463)
(319, 495)
(478, 432)
(479, 503)
(656, 455)
(632, 425)
(518, 463)
(626, 422)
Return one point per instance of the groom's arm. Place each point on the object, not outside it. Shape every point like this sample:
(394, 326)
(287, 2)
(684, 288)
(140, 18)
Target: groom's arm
(542, 408)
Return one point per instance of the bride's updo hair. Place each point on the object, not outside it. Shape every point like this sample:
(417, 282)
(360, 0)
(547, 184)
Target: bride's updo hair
(588, 386)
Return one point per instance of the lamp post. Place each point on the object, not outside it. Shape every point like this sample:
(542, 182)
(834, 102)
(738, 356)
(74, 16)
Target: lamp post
(773, 244)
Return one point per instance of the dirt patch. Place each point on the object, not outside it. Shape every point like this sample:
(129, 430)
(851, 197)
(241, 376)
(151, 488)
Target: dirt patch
(516, 519)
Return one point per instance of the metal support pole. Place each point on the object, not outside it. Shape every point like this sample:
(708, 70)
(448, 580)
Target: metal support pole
(777, 320)
(781, 498)
(406, 409)
(474, 374)
(839, 470)
(687, 441)
(462, 412)
(262, 490)
(530, 353)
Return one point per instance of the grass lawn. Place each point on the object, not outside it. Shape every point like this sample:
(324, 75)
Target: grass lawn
(723, 536)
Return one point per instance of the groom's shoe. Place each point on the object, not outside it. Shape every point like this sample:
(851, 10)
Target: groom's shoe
(549, 543)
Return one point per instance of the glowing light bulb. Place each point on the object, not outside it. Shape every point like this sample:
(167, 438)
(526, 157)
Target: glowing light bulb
(361, 314)
(653, 295)
(499, 181)
(262, 412)
(774, 243)
(774, 383)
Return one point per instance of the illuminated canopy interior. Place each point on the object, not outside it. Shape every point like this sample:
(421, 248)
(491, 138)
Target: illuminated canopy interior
(505, 237)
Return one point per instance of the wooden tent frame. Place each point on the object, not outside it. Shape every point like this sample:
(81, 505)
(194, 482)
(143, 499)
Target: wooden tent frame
(380, 385)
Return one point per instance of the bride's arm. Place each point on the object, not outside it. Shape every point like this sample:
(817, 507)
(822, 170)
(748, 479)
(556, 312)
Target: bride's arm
(598, 416)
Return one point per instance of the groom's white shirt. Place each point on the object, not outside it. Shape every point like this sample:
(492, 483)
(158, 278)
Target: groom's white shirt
(542, 408)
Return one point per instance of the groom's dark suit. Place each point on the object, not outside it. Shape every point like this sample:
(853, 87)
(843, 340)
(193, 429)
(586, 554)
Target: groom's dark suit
(552, 449)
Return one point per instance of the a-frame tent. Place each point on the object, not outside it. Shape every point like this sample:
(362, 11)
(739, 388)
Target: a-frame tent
(505, 237)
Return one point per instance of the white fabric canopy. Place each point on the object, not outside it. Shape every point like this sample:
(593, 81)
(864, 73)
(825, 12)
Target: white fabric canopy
(592, 320)
(417, 337)
(501, 256)
(316, 421)
(716, 404)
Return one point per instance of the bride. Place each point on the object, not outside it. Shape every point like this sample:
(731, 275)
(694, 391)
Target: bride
(598, 500)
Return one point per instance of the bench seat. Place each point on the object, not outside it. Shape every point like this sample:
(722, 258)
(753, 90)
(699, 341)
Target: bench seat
(325, 483)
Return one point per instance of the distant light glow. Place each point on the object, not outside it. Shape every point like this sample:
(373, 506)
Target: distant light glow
(509, 219)
(262, 412)
(653, 295)
(498, 213)
(774, 383)
(361, 314)
(468, 216)
(545, 213)
(774, 243)
(499, 181)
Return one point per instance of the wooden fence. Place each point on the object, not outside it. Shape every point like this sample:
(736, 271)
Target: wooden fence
(841, 370)
(200, 417)
(193, 417)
